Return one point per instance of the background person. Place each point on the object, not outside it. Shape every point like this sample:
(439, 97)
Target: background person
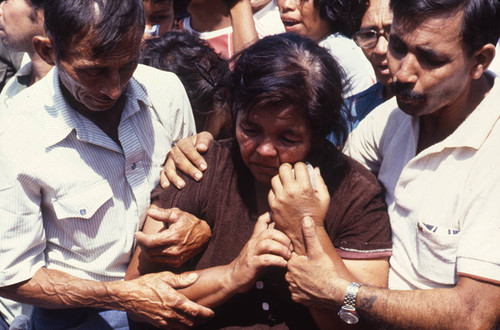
(199, 68)
(332, 23)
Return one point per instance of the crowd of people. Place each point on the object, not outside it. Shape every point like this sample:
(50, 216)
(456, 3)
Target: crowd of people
(289, 164)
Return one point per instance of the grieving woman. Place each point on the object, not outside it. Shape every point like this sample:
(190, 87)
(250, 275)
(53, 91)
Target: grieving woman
(285, 96)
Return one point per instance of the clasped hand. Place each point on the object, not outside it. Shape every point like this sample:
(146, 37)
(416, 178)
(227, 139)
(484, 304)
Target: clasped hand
(293, 197)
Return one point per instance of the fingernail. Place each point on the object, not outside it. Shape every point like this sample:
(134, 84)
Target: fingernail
(179, 185)
(193, 276)
(202, 145)
(203, 166)
(197, 176)
(307, 222)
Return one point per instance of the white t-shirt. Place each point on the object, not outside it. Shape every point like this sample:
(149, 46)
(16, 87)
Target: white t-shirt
(357, 68)
(442, 203)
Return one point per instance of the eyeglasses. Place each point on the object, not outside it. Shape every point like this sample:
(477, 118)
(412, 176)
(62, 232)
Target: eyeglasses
(369, 38)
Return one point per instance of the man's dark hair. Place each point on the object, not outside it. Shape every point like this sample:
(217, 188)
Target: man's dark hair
(288, 70)
(194, 62)
(481, 20)
(344, 15)
(107, 21)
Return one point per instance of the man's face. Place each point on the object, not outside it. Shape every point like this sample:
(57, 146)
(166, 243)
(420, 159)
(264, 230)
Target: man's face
(430, 64)
(96, 84)
(159, 13)
(378, 17)
(19, 23)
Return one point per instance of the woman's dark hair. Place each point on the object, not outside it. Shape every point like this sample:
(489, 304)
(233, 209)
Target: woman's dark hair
(288, 70)
(344, 15)
(194, 62)
(481, 20)
(107, 21)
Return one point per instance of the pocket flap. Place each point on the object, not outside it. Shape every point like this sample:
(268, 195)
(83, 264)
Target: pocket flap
(84, 203)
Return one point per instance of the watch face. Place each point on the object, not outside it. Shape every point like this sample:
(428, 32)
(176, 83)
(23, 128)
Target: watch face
(348, 316)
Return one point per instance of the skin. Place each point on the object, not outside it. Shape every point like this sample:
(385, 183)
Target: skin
(20, 24)
(85, 81)
(258, 4)
(378, 17)
(208, 15)
(434, 64)
(303, 18)
(159, 13)
(16, 27)
(432, 59)
(269, 137)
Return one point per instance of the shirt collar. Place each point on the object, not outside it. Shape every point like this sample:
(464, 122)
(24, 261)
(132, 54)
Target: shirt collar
(478, 125)
(63, 119)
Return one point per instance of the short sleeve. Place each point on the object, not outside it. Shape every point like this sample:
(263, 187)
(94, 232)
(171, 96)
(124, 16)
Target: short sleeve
(357, 221)
(22, 235)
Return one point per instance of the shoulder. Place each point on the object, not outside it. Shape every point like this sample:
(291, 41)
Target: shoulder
(150, 77)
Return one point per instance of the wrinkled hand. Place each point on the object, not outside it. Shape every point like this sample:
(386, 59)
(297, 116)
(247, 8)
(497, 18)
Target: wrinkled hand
(185, 237)
(293, 197)
(186, 157)
(152, 298)
(312, 278)
(267, 247)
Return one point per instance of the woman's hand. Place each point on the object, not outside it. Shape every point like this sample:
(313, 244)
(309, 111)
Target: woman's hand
(267, 247)
(293, 197)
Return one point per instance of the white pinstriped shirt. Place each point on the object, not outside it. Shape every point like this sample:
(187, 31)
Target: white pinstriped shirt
(70, 197)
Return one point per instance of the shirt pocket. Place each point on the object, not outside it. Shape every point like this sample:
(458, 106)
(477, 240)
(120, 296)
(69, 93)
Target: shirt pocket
(437, 253)
(84, 203)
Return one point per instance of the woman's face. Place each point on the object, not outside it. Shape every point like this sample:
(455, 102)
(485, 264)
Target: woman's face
(302, 17)
(270, 136)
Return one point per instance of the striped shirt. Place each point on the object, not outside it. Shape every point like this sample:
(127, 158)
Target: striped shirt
(70, 197)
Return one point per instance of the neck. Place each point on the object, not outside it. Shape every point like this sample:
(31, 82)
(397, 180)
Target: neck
(39, 68)
(437, 126)
(209, 15)
(108, 121)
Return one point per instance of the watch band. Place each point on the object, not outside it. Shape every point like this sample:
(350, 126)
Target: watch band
(351, 293)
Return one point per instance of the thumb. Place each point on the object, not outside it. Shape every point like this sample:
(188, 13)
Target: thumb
(313, 245)
(179, 281)
(262, 223)
(203, 140)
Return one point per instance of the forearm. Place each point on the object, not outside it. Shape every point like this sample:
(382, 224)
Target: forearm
(461, 307)
(214, 286)
(244, 33)
(55, 289)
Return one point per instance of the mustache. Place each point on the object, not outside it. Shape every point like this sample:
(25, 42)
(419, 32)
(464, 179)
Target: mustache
(405, 90)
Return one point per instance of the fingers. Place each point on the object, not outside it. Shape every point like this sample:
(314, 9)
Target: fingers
(164, 215)
(321, 186)
(313, 245)
(170, 175)
(203, 140)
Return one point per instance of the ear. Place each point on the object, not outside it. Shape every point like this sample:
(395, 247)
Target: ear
(483, 58)
(45, 49)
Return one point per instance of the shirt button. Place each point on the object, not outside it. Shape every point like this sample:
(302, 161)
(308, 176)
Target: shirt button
(265, 306)
(83, 211)
(133, 166)
(259, 285)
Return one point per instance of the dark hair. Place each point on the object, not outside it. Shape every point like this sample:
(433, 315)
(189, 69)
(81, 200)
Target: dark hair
(35, 5)
(195, 63)
(344, 16)
(288, 70)
(481, 22)
(70, 20)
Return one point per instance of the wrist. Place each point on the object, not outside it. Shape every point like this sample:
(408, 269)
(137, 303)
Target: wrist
(347, 312)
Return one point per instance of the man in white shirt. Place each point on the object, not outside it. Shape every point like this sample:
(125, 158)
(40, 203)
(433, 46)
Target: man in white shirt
(80, 155)
(435, 149)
